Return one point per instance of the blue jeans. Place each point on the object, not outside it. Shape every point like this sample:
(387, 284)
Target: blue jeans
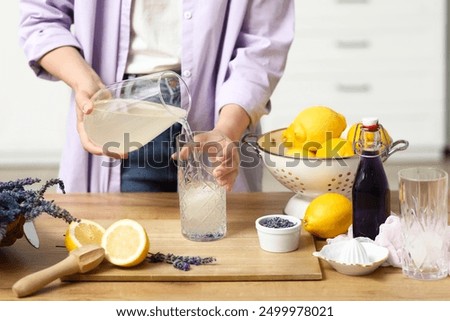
(150, 168)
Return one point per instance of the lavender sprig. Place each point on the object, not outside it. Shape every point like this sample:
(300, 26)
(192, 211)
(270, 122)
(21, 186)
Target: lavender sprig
(16, 200)
(179, 262)
(9, 208)
(18, 184)
(181, 265)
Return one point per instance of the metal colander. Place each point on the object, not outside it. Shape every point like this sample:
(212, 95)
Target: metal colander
(307, 177)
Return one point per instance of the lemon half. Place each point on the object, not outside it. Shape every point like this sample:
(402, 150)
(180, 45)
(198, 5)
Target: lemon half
(82, 233)
(126, 243)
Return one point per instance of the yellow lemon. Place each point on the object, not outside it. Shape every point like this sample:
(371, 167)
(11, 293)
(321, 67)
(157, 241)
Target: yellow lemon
(312, 126)
(82, 233)
(328, 215)
(335, 147)
(386, 139)
(301, 153)
(126, 243)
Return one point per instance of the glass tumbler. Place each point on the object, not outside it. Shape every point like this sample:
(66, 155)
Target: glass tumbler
(424, 219)
(202, 199)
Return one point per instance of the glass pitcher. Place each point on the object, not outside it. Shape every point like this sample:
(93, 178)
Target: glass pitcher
(129, 114)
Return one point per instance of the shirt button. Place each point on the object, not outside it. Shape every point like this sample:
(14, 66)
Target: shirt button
(187, 73)
(187, 15)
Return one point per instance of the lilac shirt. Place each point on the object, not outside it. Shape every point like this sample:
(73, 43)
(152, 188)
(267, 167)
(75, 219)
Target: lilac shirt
(233, 51)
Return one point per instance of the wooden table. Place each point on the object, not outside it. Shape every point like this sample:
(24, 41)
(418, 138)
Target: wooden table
(386, 283)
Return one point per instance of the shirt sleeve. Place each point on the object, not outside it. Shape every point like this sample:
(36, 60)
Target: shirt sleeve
(259, 57)
(43, 27)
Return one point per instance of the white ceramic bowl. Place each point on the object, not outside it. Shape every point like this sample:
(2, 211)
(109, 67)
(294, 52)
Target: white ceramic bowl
(278, 239)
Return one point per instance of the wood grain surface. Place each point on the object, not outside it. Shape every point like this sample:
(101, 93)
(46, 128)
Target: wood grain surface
(386, 283)
(239, 258)
(238, 255)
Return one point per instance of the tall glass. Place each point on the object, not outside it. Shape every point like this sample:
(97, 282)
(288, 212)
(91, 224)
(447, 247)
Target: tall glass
(129, 114)
(202, 199)
(424, 220)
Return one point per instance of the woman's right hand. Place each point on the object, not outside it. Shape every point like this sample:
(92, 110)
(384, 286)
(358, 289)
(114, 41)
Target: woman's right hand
(84, 106)
(67, 64)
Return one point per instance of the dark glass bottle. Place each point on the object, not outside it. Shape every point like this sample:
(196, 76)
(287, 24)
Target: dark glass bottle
(370, 193)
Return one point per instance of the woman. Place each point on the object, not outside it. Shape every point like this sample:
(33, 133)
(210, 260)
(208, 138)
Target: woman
(231, 54)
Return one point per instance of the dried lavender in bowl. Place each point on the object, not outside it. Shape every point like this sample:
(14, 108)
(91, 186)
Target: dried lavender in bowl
(276, 222)
(17, 200)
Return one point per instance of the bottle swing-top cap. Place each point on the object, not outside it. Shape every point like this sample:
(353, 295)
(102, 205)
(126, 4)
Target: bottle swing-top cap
(370, 125)
(370, 122)
(365, 139)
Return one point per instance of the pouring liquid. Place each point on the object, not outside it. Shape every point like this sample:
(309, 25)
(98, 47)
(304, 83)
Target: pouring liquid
(123, 125)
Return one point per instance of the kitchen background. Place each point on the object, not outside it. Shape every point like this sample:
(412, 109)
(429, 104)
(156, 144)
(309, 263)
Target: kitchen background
(384, 58)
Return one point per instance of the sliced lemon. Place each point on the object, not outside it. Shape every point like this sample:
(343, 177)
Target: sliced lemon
(82, 233)
(126, 243)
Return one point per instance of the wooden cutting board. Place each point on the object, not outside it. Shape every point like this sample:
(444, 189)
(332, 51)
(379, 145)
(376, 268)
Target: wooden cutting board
(238, 255)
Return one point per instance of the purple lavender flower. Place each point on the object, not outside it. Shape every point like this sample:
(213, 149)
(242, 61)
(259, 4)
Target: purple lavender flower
(179, 262)
(277, 222)
(16, 200)
(181, 265)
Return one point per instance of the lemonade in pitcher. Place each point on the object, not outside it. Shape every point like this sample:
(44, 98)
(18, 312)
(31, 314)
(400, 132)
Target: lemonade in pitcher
(122, 130)
(129, 114)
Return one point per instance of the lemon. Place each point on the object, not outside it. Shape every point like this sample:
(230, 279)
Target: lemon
(298, 152)
(312, 126)
(126, 243)
(386, 139)
(328, 215)
(82, 233)
(335, 147)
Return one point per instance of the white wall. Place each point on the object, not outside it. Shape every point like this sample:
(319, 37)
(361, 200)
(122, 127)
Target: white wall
(392, 66)
(33, 111)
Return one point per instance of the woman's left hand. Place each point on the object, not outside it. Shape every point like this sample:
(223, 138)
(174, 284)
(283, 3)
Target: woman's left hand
(221, 152)
(228, 169)
(232, 123)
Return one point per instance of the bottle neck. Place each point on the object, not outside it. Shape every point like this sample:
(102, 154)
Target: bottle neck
(369, 143)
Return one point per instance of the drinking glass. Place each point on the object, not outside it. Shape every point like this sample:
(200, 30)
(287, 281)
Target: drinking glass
(424, 219)
(202, 199)
(129, 114)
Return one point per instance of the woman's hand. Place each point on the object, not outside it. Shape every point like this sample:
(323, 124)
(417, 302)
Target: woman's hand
(84, 106)
(216, 151)
(232, 123)
(67, 64)
(228, 169)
